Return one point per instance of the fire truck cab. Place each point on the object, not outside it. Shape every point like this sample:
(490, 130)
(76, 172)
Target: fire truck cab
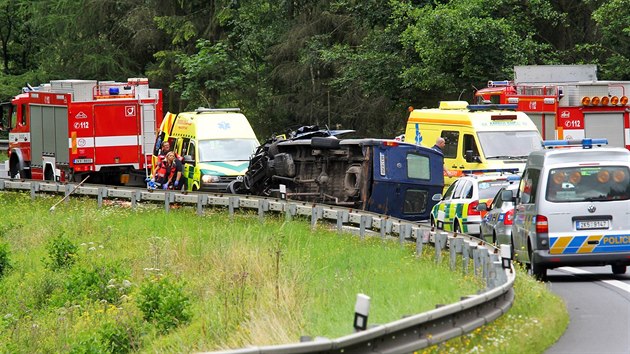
(66, 130)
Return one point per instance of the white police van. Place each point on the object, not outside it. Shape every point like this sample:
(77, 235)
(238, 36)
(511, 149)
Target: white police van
(572, 207)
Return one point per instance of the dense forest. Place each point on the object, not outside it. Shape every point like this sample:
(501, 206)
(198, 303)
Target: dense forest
(343, 63)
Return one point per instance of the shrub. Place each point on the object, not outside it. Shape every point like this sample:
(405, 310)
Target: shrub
(99, 283)
(62, 253)
(5, 265)
(117, 337)
(164, 303)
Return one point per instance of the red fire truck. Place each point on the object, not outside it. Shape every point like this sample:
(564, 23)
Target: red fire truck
(566, 102)
(66, 130)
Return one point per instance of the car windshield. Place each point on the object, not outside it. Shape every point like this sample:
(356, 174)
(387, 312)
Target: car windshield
(588, 183)
(489, 189)
(507, 144)
(213, 150)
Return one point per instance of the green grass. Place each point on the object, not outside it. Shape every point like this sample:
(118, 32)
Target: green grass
(83, 279)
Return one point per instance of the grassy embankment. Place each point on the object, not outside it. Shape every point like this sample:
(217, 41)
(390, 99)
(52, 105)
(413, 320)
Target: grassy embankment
(83, 279)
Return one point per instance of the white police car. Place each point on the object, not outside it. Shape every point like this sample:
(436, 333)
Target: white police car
(459, 210)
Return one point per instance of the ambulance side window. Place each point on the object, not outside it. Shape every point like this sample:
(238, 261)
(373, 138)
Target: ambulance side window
(22, 120)
(184, 150)
(451, 137)
(470, 144)
(529, 185)
(192, 150)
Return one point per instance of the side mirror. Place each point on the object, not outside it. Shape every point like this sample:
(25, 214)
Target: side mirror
(436, 197)
(470, 157)
(482, 207)
(189, 160)
(507, 195)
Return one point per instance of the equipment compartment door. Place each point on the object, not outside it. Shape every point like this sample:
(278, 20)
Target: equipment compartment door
(117, 134)
(49, 133)
(605, 125)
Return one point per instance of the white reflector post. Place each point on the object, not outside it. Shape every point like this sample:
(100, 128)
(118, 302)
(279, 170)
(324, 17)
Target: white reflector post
(506, 255)
(361, 311)
(283, 191)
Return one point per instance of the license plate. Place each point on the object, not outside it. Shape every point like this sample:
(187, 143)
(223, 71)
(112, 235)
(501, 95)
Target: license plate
(592, 224)
(83, 161)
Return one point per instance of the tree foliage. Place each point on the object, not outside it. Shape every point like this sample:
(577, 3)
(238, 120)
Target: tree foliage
(341, 63)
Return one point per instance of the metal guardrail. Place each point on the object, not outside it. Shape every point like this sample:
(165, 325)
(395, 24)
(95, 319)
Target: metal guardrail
(401, 336)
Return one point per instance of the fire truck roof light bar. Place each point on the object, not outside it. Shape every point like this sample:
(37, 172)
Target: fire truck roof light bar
(485, 107)
(498, 83)
(585, 143)
(202, 109)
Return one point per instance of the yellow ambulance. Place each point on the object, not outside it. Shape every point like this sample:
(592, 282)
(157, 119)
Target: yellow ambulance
(215, 144)
(479, 138)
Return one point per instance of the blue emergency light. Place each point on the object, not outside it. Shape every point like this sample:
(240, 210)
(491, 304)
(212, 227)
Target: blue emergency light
(586, 143)
(500, 170)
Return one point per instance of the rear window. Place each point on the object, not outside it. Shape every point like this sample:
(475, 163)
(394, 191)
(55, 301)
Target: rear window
(488, 190)
(588, 183)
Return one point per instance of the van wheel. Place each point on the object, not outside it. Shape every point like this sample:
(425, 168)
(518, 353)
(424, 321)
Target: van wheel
(536, 270)
(618, 269)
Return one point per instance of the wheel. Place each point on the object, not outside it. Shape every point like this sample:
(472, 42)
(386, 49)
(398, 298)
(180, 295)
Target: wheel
(618, 269)
(284, 165)
(536, 270)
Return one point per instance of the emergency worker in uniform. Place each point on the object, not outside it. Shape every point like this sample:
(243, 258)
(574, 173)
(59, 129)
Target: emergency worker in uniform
(179, 181)
(439, 146)
(167, 171)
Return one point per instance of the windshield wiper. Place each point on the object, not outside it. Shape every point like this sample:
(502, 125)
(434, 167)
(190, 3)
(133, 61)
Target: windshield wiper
(506, 157)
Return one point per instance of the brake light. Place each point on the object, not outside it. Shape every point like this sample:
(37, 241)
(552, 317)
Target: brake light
(508, 219)
(472, 208)
(542, 225)
(390, 143)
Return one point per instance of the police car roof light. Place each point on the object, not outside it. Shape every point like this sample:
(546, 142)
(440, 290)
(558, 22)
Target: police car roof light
(486, 107)
(513, 178)
(586, 143)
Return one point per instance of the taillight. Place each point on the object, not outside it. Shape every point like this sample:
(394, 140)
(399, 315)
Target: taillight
(472, 208)
(542, 225)
(508, 218)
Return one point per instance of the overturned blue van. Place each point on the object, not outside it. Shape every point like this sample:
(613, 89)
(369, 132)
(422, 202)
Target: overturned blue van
(389, 177)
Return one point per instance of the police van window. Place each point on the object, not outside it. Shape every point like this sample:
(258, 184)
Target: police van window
(418, 167)
(415, 201)
(588, 183)
(529, 184)
(470, 144)
(451, 137)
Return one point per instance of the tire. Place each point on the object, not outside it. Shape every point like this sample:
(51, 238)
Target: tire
(325, 143)
(283, 165)
(618, 269)
(352, 181)
(536, 270)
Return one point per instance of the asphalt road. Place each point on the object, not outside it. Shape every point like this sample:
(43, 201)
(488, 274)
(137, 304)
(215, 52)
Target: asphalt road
(599, 307)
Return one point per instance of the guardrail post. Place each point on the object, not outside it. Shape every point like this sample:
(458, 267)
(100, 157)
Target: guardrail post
(290, 210)
(233, 202)
(263, 206)
(440, 243)
(404, 232)
(386, 227)
(316, 213)
(102, 193)
(419, 233)
(455, 248)
(135, 197)
(468, 253)
(34, 188)
(494, 271)
(342, 217)
(66, 193)
(362, 226)
(202, 199)
(167, 201)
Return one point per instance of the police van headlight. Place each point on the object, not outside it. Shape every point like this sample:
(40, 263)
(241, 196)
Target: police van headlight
(207, 179)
